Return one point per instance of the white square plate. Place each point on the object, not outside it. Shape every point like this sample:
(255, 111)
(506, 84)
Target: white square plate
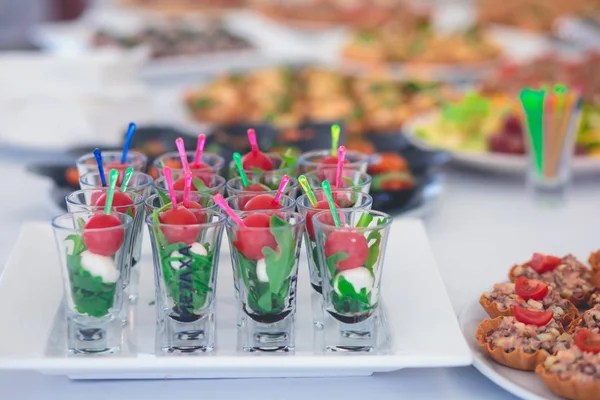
(421, 323)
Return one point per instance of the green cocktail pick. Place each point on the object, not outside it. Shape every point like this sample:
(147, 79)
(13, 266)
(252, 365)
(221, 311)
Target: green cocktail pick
(237, 159)
(309, 193)
(112, 183)
(327, 189)
(533, 105)
(127, 178)
(335, 138)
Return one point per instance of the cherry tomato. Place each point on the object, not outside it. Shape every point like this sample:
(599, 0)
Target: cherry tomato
(257, 160)
(179, 184)
(328, 161)
(121, 202)
(588, 341)
(176, 234)
(544, 263)
(352, 243)
(104, 243)
(72, 176)
(201, 167)
(250, 242)
(321, 205)
(531, 289)
(532, 317)
(254, 187)
(200, 217)
(262, 202)
(172, 163)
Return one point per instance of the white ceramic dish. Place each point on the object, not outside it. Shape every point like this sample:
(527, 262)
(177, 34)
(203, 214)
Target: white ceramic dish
(33, 321)
(520, 383)
(492, 162)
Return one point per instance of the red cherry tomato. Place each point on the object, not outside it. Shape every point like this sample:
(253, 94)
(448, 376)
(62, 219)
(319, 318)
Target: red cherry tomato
(321, 205)
(544, 263)
(121, 202)
(119, 167)
(201, 167)
(254, 187)
(176, 234)
(257, 160)
(352, 243)
(179, 183)
(588, 341)
(330, 160)
(262, 202)
(250, 242)
(104, 243)
(194, 206)
(532, 317)
(531, 289)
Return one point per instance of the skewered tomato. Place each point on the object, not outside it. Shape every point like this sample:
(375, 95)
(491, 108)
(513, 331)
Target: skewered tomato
(262, 202)
(250, 242)
(176, 234)
(104, 243)
(352, 243)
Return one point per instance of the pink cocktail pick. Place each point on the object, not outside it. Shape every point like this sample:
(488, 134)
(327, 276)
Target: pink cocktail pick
(187, 189)
(182, 155)
(252, 140)
(220, 201)
(199, 150)
(169, 179)
(282, 185)
(341, 153)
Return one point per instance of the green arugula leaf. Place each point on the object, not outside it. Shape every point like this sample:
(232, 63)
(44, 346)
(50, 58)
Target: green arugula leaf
(80, 223)
(164, 197)
(90, 294)
(374, 248)
(349, 301)
(364, 220)
(78, 245)
(333, 259)
(129, 212)
(199, 185)
(288, 159)
(265, 302)
(279, 266)
(257, 174)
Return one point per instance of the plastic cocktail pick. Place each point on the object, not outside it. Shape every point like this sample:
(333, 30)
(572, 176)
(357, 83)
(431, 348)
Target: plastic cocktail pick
(187, 188)
(127, 178)
(220, 201)
(181, 149)
(341, 153)
(199, 149)
(327, 189)
(309, 193)
(335, 138)
(237, 159)
(98, 156)
(282, 185)
(169, 179)
(252, 140)
(112, 183)
(130, 132)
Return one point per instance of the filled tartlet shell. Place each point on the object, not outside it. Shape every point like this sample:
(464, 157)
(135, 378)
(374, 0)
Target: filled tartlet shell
(516, 359)
(594, 261)
(570, 388)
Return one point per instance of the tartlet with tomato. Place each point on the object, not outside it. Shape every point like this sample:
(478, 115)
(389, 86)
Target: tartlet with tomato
(524, 340)
(589, 319)
(574, 373)
(566, 275)
(527, 293)
(594, 261)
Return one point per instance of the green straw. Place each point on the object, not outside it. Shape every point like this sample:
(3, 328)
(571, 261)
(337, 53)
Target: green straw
(327, 189)
(237, 158)
(335, 138)
(309, 193)
(127, 178)
(112, 183)
(533, 104)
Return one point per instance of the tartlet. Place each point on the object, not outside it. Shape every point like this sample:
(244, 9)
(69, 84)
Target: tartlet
(589, 319)
(520, 346)
(594, 261)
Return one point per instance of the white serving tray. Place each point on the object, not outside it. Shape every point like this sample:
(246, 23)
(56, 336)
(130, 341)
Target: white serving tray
(423, 329)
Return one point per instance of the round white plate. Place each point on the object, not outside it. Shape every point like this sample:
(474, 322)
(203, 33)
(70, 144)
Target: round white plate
(493, 162)
(524, 384)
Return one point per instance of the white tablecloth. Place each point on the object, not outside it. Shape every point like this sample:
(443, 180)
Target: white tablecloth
(479, 227)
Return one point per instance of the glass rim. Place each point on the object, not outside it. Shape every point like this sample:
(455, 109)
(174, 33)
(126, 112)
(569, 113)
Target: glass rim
(129, 187)
(334, 190)
(321, 225)
(220, 178)
(128, 222)
(242, 214)
(292, 185)
(237, 196)
(137, 154)
(68, 198)
(153, 196)
(367, 177)
(364, 157)
(175, 154)
(221, 220)
(271, 154)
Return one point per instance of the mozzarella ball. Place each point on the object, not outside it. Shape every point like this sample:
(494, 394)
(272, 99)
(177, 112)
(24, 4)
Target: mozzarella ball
(261, 270)
(360, 278)
(101, 266)
(195, 248)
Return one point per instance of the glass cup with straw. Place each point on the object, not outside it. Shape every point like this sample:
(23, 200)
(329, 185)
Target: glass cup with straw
(342, 176)
(197, 161)
(309, 204)
(264, 201)
(552, 118)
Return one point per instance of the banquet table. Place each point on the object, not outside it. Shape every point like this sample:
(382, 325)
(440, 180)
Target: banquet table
(479, 225)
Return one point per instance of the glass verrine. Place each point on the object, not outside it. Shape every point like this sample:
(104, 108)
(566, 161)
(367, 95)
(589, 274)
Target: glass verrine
(93, 265)
(87, 200)
(280, 168)
(314, 160)
(140, 183)
(351, 260)
(212, 162)
(162, 202)
(111, 160)
(241, 202)
(271, 184)
(343, 198)
(202, 182)
(264, 256)
(186, 260)
(351, 179)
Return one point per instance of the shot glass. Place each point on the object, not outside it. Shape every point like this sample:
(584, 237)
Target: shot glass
(351, 260)
(270, 182)
(239, 202)
(86, 200)
(140, 183)
(264, 256)
(93, 265)
(214, 161)
(351, 179)
(111, 160)
(279, 169)
(344, 199)
(313, 160)
(161, 201)
(186, 259)
(202, 183)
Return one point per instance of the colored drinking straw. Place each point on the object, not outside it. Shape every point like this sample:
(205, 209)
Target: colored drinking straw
(112, 183)
(327, 189)
(237, 159)
(169, 179)
(282, 185)
(309, 193)
(130, 132)
(220, 201)
(98, 156)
